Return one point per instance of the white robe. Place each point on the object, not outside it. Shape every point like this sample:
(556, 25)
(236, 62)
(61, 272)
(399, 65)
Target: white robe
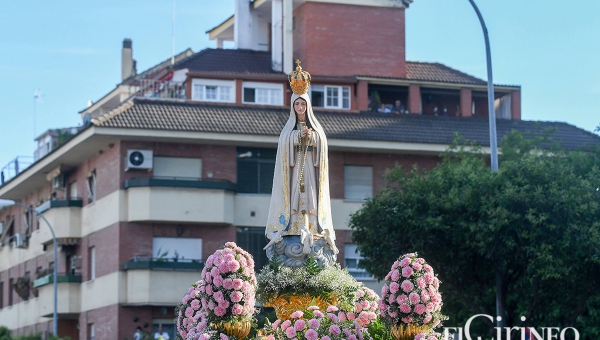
(285, 194)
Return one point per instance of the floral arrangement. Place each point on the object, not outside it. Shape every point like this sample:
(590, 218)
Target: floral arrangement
(314, 324)
(431, 335)
(229, 284)
(410, 294)
(225, 296)
(366, 305)
(276, 280)
(191, 317)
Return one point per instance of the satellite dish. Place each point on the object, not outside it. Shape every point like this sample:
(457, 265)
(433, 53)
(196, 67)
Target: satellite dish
(87, 119)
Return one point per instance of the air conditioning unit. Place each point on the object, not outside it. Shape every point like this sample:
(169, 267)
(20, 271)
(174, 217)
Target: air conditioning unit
(20, 241)
(58, 182)
(139, 160)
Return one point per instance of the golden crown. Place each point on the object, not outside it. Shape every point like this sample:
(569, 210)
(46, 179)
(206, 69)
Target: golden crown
(299, 80)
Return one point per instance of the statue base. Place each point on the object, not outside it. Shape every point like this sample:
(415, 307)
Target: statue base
(289, 251)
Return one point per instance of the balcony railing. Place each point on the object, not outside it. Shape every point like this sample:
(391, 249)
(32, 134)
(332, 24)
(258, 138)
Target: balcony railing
(14, 167)
(159, 263)
(181, 182)
(60, 278)
(75, 202)
(162, 89)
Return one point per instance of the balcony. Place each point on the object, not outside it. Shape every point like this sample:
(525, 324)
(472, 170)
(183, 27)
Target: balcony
(68, 294)
(180, 200)
(13, 168)
(148, 286)
(160, 89)
(64, 215)
(154, 263)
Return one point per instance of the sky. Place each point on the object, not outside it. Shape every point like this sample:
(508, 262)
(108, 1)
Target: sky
(71, 51)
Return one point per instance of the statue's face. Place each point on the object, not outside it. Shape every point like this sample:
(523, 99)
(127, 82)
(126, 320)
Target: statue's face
(300, 108)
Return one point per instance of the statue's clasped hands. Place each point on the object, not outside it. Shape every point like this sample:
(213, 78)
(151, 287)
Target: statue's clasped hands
(305, 132)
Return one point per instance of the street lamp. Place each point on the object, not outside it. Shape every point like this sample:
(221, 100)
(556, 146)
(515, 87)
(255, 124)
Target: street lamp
(493, 149)
(7, 203)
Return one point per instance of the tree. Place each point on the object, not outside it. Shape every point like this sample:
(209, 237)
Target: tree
(534, 226)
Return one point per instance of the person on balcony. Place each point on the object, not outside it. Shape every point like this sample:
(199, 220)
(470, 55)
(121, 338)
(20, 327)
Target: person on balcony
(398, 108)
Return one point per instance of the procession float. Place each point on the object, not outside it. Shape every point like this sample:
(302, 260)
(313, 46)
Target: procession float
(313, 298)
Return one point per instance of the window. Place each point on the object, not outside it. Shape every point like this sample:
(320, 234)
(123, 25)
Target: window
(330, 97)
(358, 182)
(263, 93)
(212, 90)
(91, 186)
(91, 331)
(171, 248)
(73, 190)
(253, 241)
(178, 167)
(351, 260)
(255, 169)
(92, 262)
(11, 289)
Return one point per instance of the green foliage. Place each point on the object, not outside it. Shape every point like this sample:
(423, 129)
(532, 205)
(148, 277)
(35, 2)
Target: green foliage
(276, 280)
(5, 333)
(534, 225)
(379, 331)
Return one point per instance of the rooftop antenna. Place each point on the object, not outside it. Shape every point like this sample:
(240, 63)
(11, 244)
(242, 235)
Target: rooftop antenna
(173, 34)
(37, 98)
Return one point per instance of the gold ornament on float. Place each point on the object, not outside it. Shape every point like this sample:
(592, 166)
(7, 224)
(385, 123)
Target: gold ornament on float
(235, 328)
(285, 305)
(408, 331)
(299, 80)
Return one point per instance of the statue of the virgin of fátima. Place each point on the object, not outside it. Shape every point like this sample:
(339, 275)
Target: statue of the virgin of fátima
(299, 223)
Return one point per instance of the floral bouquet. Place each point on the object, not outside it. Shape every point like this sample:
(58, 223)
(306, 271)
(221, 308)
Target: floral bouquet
(410, 294)
(221, 305)
(314, 324)
(229, 284)
(365, 306)
(191, 317)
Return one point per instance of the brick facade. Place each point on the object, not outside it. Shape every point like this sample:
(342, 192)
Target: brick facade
(336, 40)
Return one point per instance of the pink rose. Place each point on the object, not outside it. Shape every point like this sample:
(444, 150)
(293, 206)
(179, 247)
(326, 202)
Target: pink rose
(314, 323)
(218, 296)
(417, 266)
(430, 307)
(427, 318)
(299, 324)
(420, 309)
(393, 314)
(195, 304)
(209, 261)
(384, 290)
(318, 314)
(218, 281)
(364, 304)
(297, 314)
(223, 304)
(414, 298)
(350, 316)
(214, 272)
(223, 336)
(228, 284)
(395, 275)
(211, 305)
(290, 332)
(223, 267)
(404, 262)
(250, 261)
(407, 271)
(428, 278)
(237, 309)
(391, 299)
(407, 319)
(270, 337)
(407, 286)
(247, 271)
(424, 296)
(335, 330)
(405, 308)
(421, 283)
(276, 323)
(233, 266)
(333, 317)
(428, 268)
(332, 309)
(286, 324)
(220, 311)
(236, 296)
(311, 334)
(237, 284)
(394, 286)
(342, 316)
(401, 299)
